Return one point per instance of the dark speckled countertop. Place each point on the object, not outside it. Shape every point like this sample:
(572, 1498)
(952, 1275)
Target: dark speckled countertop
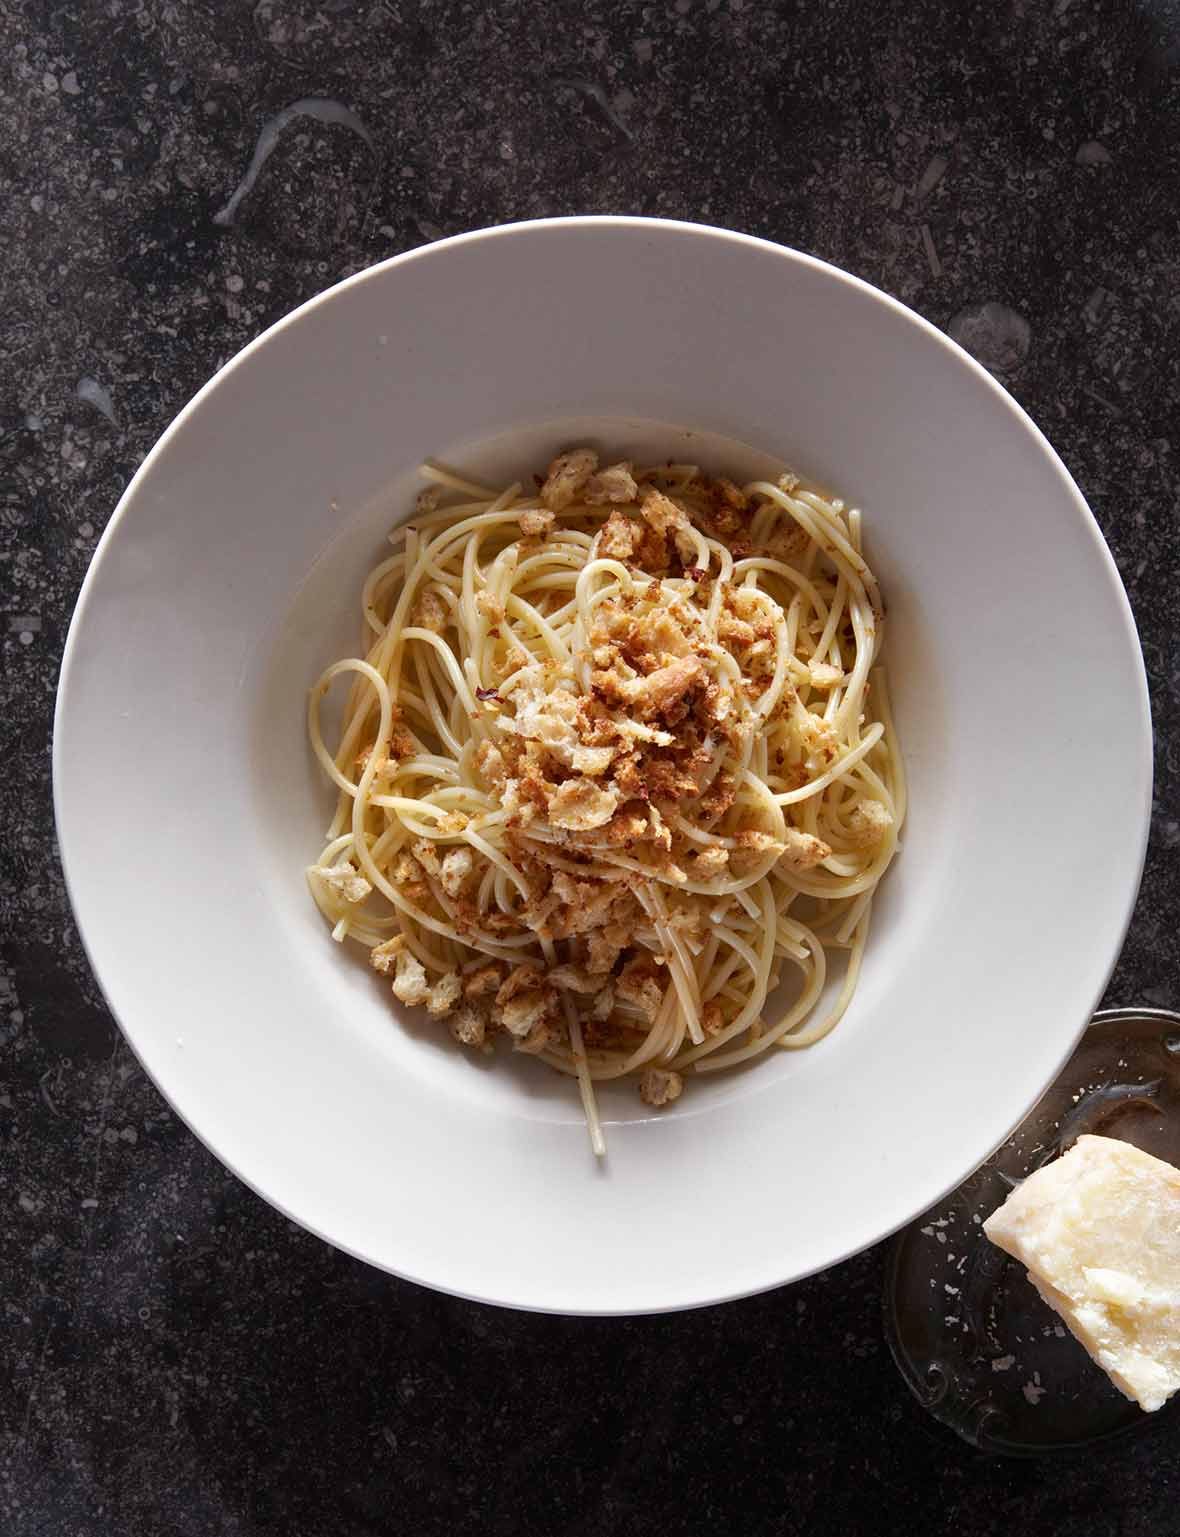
(175, 1357)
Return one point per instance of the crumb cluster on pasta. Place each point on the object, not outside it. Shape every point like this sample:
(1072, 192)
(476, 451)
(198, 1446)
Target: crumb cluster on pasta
(617, 757)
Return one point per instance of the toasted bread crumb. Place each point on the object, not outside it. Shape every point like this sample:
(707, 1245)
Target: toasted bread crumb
(659, 1088)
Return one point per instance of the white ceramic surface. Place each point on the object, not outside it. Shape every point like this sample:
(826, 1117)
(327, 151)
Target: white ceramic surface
(188, 804)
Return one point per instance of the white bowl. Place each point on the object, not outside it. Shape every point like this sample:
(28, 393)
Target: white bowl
(188, 803)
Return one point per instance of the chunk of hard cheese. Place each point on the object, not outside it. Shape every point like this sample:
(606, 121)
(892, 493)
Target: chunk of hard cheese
(1099, 1230)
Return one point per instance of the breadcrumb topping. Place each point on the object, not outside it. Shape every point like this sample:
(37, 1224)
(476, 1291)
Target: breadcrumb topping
(343, 882)
(659, 1088)
(622, 759)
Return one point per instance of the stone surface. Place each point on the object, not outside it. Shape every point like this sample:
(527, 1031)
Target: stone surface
(176, 1357)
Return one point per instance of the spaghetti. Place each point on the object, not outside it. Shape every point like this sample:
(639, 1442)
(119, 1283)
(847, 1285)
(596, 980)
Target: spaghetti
(616, 765)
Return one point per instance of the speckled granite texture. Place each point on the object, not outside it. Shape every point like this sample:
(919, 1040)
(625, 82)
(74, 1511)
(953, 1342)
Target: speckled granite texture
(174, 1356)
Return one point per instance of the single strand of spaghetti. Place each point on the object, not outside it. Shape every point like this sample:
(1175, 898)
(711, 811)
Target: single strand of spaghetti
(818, 883)
(700, 835)
(486, 885)
(495, 515)
(885, 712)
(826, 533)
(429, 522)
(388, 649)
(866, 649)
(585, 1083)
(763, 963)
(327, 762)
(434, 960)
(682, 969)
(740, 954)
(794, 1016)
(519, 610)
(753, 788)
(747, 903)
(360, 801)
(390, 568)
(446, 548)
(599, 566)
(494, 856)
(837, 770)
(797, 578)
(783, 945)
(590, 871)
(666, 1026)
(859, 908)
(607, 1065)
(438, 645)
(440, 476)
(429, 766)
(438, 722)
(471, 627)
(824, 645)
(796, 1039)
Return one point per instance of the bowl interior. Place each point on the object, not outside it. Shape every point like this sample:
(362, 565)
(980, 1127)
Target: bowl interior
(189, 805)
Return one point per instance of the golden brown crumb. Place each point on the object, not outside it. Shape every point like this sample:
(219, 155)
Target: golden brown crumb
(566, 476)
(619, 537)
(580, 804)
(489, 605)
(868, 824)
(343, 881)
(430, 612)
(487, 979)
(573, 979)
(427, 856)
(518, 980)
(444, 995)
(711, 1018)
(659, 1088)
(406, 871)
(401, 744)
(730, 495)
(710, 862)
(661, 690)
(584, 905)
(457, 865)
(468, 1024)
(525, 1011)
(409, 982)
(817, 737)
(535, 523)
(757, 842)
(613, 484)
(638, 983)
(735, 632)
(626, 827)
(786, 543)
(824, 675)
(661, 512)
(604, 1002)
(383, 957)
(427, 499)
(489, 760)
(538, 1037)
(802, 851)
(604, 946)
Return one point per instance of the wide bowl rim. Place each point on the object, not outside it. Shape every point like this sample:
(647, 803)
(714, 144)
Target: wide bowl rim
(1141, 750)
